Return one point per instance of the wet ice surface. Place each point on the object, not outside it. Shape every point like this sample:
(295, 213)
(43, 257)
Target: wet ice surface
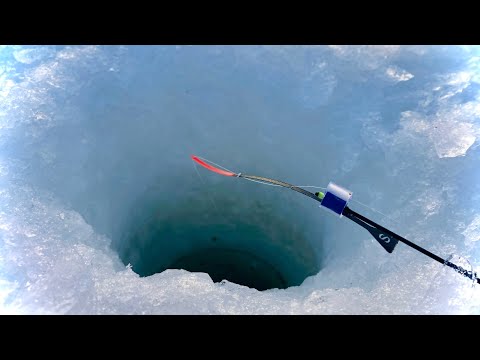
(96, 139)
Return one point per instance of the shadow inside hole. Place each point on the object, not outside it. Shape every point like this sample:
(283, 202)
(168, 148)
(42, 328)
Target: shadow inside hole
(239, 267)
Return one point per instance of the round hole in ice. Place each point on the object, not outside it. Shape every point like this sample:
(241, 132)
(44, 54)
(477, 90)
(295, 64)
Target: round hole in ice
(257, 248)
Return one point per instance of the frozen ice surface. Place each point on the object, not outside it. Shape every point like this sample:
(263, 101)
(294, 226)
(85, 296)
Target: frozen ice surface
(86, 131)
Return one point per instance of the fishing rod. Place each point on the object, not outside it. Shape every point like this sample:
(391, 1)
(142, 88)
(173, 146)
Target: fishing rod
(335, 199)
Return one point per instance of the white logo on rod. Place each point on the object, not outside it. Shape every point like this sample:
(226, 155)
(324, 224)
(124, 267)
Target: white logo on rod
(384, 238)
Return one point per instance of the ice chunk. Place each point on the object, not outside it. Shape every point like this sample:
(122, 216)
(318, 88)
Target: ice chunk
(472, 232)
(398, 74)
(453, 138)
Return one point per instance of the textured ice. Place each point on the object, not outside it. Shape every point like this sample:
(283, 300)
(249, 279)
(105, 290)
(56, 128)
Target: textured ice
(86, 131)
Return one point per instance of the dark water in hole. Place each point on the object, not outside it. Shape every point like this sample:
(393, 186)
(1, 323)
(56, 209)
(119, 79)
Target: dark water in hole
(240, 267)
(245, 239)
